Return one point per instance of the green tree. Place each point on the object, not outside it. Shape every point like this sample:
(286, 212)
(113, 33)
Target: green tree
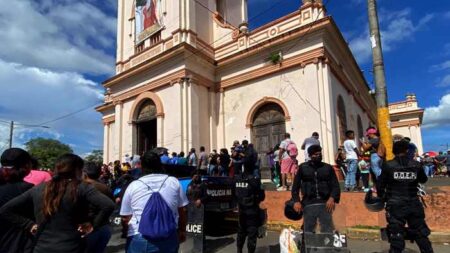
(46, 151)
(95, 156)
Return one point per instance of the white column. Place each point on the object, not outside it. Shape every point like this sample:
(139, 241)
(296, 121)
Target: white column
(243, 27)
(329, 112)
(182, 117)
(106, 143)
(186, 119)
(323, 116)
(221, 127)
(160, 131)
(118, 130)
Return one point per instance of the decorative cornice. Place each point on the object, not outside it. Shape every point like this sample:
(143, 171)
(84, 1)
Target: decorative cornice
(109, 119)
(396, 124)
(169, 79)
(179, 49)
(104, 107)
(258, 46)
(301, 59)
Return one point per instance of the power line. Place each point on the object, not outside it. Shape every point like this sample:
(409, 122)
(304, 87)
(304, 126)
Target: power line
(309, 28)
(68, 115)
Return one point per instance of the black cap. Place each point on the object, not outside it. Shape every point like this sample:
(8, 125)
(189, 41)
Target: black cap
(15, 157)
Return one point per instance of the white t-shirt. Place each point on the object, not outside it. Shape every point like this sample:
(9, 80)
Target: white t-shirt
(349, 147)
(193, 159)
(276, 153)
(284, 144)
(137, 195)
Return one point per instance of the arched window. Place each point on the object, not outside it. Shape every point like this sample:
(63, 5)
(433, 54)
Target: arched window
(342, 119)
(360, 128)
(147, 111)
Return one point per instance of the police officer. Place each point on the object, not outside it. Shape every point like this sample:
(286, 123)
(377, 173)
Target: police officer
(320, 192)
(249, 195)
(397, 186)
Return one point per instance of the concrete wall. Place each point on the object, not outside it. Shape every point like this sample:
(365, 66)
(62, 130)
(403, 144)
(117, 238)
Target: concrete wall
(352, 109)
(351, 211)
(297, 88)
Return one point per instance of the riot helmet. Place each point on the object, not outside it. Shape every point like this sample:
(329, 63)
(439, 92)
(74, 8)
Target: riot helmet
(372, 203)
(290, 213)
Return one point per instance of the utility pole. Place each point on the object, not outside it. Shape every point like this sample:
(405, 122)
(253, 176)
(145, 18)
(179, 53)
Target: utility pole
(384, 121)
(11, 131)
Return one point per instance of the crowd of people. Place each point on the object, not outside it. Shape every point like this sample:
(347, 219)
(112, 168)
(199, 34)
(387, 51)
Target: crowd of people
(69, 208)
(364, 163)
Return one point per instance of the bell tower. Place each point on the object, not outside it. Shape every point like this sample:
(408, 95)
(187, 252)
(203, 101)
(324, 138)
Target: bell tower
(142, 24)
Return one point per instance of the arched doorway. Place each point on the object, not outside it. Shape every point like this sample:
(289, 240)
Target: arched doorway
(146, 126)
(268, 129)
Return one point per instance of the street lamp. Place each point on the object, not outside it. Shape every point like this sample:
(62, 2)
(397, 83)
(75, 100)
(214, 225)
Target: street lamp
(11, 130)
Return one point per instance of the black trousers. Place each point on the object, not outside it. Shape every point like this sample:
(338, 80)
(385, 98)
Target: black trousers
(365, 179)
(314, 213)
(400, 213)
(248, 228)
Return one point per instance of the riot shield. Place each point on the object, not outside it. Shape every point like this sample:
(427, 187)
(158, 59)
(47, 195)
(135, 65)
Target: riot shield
(194, 230)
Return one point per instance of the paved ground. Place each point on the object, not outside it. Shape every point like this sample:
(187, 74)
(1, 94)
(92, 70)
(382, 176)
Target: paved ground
(225, 237)
(227, 244)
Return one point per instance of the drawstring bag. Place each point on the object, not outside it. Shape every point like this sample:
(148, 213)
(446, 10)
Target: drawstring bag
(157, 220)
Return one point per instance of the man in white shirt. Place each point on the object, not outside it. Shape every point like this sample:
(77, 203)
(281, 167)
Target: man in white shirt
(135, 198)
(351, 154)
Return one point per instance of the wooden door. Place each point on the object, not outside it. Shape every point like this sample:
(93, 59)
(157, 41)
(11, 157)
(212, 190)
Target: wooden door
(268, 130)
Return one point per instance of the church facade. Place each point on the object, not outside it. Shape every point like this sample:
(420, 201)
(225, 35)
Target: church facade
(189, 73)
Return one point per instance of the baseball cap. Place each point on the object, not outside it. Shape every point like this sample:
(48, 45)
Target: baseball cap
(15, 157)
(371, 131)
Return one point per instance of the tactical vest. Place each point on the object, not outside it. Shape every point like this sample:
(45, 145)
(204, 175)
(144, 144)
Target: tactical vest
(245, 194)
(403, 179)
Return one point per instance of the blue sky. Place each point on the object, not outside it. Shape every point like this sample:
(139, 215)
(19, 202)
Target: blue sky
(55, 54)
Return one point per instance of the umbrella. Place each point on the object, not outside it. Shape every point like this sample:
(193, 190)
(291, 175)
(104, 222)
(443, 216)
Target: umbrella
(432, 153)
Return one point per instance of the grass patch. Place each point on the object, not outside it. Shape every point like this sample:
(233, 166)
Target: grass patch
(367, 227)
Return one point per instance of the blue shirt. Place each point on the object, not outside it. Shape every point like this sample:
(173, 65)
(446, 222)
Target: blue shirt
(165, 159)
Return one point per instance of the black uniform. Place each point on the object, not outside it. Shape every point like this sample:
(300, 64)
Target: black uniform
(398, 187)
(249, 194)
(317, 182)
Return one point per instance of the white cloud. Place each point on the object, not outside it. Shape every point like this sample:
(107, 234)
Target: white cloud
(58, 35)
(447, 15)
(33, 95)
(438, 116)
(444, 82)
(447, 49)
(396, 27)
(442, 66)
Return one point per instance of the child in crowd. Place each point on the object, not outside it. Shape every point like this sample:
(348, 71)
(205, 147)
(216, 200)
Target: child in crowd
(364, 166)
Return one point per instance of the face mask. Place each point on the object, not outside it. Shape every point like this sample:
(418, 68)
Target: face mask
(316, 158)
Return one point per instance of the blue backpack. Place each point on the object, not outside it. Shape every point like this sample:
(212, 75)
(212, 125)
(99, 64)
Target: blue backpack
(157, 220)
